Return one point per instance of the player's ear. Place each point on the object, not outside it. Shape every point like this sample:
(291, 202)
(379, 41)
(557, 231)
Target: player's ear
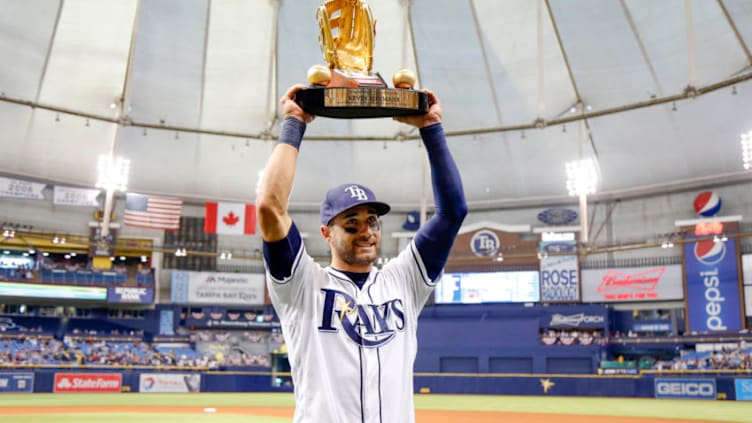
(326, 232)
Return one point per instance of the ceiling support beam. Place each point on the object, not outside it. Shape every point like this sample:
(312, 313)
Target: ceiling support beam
(126, 121)
(739, 37)
(573, 81)
(486, 65)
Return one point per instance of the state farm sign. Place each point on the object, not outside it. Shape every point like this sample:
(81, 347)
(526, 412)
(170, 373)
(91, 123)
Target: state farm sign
(88, 382)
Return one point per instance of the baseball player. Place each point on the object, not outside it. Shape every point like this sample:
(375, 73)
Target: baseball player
(350, 329)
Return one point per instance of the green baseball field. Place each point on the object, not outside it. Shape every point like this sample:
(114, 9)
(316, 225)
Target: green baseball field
(431, 408)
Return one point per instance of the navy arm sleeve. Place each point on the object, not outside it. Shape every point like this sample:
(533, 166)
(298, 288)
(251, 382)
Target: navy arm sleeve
(280, 255)
(434, 240)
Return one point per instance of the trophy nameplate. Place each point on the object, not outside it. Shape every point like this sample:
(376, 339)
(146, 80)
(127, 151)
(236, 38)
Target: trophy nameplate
(346, 88)
(362, 102)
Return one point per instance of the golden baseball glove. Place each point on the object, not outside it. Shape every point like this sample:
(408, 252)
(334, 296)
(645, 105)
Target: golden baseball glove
(347, 34)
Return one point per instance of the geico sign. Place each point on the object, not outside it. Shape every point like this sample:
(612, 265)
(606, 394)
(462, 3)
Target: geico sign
(686, 389)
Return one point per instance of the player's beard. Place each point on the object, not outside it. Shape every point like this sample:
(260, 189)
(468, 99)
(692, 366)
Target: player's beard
(345, 248)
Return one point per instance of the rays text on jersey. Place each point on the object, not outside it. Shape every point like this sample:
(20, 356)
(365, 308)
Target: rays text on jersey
(369, 325)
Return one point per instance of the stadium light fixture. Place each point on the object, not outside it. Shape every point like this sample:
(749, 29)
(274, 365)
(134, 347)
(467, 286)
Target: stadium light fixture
(112, 173)
(581, 177)
(747, 150)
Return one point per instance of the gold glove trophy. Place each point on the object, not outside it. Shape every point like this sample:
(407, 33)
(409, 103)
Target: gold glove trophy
(347, 88)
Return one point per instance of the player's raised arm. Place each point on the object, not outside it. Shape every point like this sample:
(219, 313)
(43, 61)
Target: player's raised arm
(435, 238)
(276, 183)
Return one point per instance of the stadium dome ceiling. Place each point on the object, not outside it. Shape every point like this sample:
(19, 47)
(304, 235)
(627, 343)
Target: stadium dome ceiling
(188, 91)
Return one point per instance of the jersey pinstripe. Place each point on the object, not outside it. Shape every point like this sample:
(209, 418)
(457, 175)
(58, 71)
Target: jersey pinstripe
(352, 350)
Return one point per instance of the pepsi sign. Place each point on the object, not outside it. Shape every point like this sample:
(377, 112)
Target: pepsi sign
(707, 203)
(712, 274)
(709, 252)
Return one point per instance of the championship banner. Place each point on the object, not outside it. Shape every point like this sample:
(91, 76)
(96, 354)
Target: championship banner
(88, 382)
(631, 284)
(16, 382)
(67, 196)
(217, 288)
(559, 279)
(169, 382)
(130, 295)
(16, 188)
(712, 285)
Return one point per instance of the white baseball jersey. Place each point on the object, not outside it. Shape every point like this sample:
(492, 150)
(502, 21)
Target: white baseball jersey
(352, 350)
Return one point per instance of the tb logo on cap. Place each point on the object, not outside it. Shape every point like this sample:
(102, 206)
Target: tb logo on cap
(357, 192)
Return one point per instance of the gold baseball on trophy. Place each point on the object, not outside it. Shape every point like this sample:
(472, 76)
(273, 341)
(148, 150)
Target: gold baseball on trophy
(404, 78)
(319, 75)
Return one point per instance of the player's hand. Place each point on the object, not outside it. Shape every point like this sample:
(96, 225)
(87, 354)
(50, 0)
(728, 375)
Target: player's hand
(432, 116)
(290, 108)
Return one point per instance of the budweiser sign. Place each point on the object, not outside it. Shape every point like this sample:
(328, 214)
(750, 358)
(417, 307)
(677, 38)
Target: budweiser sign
(88, 382)
(632, 284)
(644, 281)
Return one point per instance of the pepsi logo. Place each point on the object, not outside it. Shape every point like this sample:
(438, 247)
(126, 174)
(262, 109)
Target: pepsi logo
(148, 383)
(707, 203)
(709, 252)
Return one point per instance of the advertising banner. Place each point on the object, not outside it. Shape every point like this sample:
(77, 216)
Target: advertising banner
(681, 388)
(222, 318)
(632, 284)
(13, 289)
(712, 285)
(169, 382)
(16, 382)
(130, 295)
(743, 389)
(68, 196)
(577, 320)
(217, 288)
(88, 382)
(652, 327)
(15, 188)
(583, 316)
(559, 279)
(747, 268)
(488, 287)
(748, 300)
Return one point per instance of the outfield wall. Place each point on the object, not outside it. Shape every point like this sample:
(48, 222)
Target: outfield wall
(732, 386)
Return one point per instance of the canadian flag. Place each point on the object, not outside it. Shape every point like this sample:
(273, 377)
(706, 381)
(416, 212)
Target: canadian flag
(230, 218)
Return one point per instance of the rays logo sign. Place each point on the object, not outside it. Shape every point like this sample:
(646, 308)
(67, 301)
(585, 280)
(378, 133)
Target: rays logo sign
(485, 243)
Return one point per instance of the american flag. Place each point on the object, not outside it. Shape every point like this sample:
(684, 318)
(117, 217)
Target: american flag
(148, 211)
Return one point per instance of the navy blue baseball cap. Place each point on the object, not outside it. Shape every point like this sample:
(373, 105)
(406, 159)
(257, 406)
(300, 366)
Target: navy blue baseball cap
(347, 196)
